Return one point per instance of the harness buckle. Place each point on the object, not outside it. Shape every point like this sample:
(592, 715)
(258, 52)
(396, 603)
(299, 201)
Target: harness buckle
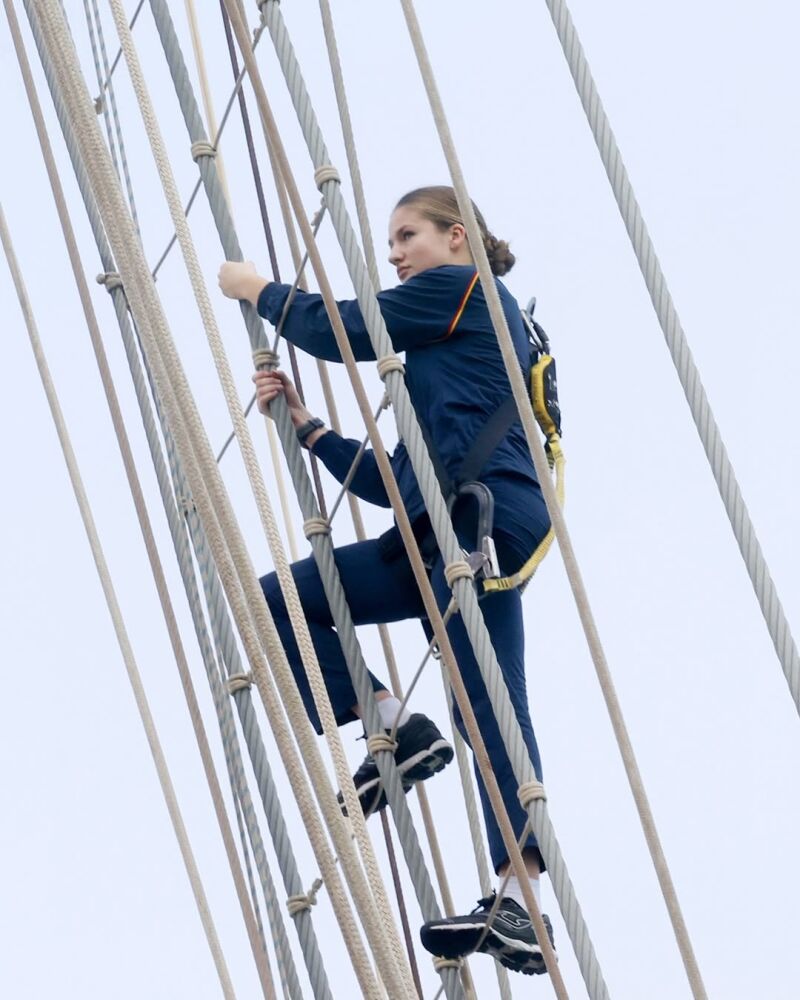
(492, 570)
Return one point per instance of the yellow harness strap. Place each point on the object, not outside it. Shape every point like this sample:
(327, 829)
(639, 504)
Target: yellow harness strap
(555, 457)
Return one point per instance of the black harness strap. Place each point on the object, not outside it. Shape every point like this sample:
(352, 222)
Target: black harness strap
(489, 437)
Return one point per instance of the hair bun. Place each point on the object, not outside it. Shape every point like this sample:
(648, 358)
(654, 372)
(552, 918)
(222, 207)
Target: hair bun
(501, 259)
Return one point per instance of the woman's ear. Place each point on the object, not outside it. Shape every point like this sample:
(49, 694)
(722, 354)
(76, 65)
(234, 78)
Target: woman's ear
(458, 236)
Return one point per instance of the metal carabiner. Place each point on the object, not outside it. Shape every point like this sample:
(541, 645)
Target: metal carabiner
(484, 558)
(539, 338)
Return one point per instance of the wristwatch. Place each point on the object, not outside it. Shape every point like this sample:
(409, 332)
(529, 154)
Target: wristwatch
(305, 430)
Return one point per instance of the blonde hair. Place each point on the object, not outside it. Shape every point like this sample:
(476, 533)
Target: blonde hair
(438, 204)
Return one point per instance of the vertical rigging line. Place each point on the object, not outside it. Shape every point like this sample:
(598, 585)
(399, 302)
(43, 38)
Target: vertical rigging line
(100, 35)
(178, 71)
(531, 790)
(680, 352)
(123, 159)
(448, 543)
(109, 593)
(217, 611)
(351, 151)
(94, 167)
(205, 91)
(207, 486)
(216, 132)
(324, 552)
(262, 206)
(118, 56)
(256, 940)
(372, 267)
(557, 517)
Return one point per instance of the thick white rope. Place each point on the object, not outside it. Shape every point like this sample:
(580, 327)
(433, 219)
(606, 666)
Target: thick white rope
(372, 266)
(422, 466)
(349, 143)
(474, 823)
(211, 119)
(299, 266)
(174, 504)
(301, 100)
(332, 194)
(251, 613)
(205, 90)
(556, 514)
(256, 603)
(259, 954)
(109, 593)
(688, 374)
(373, 915)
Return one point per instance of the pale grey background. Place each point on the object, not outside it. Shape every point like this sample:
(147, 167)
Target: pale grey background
(703, 99)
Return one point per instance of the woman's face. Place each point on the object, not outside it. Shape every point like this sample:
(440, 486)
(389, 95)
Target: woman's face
(417, 244)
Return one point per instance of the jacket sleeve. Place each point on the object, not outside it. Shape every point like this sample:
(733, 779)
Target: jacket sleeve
(418, 312)
(337, 454)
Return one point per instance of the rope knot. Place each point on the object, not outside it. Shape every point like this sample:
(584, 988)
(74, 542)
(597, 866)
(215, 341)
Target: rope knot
(458, 570)
(316, 526)
(263, 357)
(327, 172)
(530, 792)
(379, 742)
(110, 279)
(203, 148)
(440, 964)
(389, 363)
(304, 900)
(98, 105)
(238, 682)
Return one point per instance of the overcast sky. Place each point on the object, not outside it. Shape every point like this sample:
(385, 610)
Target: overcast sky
(703, 99)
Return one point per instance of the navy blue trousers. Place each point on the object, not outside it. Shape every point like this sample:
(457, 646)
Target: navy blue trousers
(381, 591)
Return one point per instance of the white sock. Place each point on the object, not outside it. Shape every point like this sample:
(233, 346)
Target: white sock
(514, 891)
(389, 709)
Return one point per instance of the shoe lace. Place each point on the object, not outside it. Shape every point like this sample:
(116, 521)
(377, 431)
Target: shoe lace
(485, 904)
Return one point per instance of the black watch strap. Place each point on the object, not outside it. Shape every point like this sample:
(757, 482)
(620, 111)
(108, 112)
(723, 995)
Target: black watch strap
(304, 431)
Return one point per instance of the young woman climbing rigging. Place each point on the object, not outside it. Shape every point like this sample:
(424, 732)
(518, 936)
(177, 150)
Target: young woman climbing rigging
(456, 378)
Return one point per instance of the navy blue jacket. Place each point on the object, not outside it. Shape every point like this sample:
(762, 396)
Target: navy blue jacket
(454, 374)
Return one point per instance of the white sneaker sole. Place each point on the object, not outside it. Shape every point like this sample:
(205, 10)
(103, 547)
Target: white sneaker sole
(519, 956)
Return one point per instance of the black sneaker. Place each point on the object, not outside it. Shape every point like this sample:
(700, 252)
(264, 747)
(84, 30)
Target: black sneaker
(510, 939)
(421, 751)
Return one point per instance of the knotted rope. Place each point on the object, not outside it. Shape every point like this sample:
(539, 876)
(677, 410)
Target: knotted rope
(316, 526)
(111, 280)
(531, 791)
(389, 363)
(381, 743)
(458, 570)
(447, 963)
(263, 357)
(239, 682)
(326, 173)
(304, 900)
(202, 148)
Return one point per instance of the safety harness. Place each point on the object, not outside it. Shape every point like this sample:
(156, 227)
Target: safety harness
(544, 400)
